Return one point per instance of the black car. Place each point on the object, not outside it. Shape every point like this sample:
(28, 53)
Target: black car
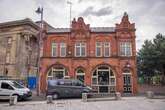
(61, 88)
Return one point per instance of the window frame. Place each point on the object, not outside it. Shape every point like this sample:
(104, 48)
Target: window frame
(109, 50)
(54, 45)
(100, 49)
(62, 46)
(80, 46)
(123, 51)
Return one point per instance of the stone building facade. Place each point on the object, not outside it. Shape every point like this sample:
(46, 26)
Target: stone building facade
(101, 57)
(18, 48)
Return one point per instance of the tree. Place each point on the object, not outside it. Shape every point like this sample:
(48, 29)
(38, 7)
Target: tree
(151, 57)
(159, 48)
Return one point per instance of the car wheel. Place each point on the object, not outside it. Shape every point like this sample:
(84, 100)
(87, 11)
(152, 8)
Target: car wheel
(55, 96)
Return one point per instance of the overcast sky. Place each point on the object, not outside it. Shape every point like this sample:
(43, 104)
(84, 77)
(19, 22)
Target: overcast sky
(148, 15)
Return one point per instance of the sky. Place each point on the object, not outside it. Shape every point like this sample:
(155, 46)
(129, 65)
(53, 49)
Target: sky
(148, 15)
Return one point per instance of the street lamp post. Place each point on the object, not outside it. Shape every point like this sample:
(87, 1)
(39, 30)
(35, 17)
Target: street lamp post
(39, 11)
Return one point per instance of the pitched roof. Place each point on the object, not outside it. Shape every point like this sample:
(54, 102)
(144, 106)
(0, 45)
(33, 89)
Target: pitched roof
(102, 29)
(93, 29)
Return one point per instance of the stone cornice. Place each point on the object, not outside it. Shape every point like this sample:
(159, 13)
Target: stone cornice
(26, 21)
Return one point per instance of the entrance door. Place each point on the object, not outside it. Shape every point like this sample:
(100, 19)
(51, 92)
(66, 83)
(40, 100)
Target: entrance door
(127, 83)
(103, 80)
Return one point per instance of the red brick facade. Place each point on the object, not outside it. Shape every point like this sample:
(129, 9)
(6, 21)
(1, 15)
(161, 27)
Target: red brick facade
(81, 32)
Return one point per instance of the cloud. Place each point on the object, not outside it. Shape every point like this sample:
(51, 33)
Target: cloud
(101, 12)
(148, 15)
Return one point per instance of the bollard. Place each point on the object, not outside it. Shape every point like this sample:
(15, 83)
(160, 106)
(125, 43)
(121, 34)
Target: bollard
(150, 94)
(118, 96)
(49, 99)
(84, 97)
(13, 100)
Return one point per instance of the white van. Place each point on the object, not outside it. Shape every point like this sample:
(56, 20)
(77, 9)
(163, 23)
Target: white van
(12, 88)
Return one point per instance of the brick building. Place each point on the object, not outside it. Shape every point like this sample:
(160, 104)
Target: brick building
(101, 57)
(18, 49)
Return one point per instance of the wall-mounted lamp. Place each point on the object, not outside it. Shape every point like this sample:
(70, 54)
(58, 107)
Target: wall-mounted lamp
(127, 65)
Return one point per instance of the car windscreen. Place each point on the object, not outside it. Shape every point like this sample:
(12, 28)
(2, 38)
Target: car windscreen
(17, 85)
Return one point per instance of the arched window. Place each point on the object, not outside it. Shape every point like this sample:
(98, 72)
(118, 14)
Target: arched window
(103, 79)
(80, 75)
(57, 72)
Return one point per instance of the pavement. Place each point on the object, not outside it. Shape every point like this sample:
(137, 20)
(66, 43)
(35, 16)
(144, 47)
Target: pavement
(126, 103)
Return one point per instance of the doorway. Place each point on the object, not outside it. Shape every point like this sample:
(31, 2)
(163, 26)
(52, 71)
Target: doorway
(127, 83)
(103, 80)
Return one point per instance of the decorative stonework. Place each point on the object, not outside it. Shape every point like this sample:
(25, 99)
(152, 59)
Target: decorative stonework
(79, 29)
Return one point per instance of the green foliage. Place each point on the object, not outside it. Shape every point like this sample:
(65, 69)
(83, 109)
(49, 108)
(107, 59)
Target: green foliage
(151, 57)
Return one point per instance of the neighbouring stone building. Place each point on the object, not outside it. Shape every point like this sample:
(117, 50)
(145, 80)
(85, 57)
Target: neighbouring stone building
(101, 57)
(18, 48)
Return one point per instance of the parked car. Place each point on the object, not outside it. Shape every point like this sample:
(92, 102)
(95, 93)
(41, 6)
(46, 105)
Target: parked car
(12, 88)
(61, 88)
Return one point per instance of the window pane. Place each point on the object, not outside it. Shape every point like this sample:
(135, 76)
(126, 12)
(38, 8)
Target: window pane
(98, 49)
(82, 51)
(77, 51)
(112, 89)
(106, 49)
(94, 80)
(62, 49)
(125, 49)
(54, 49)
(4, 86)
(112, 81)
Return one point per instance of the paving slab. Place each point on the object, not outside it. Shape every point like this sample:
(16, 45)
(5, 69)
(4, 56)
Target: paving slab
(126, 103)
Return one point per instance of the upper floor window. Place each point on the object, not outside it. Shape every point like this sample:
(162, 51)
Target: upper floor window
(98, 49)
(54, 49)
(62, 49)
(102, 49)
(125, 49)
(106, 49)
(80, 49)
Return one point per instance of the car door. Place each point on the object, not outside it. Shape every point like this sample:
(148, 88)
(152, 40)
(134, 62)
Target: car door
(6, 90)
(68, 92)
(77, 88)
(64, 88)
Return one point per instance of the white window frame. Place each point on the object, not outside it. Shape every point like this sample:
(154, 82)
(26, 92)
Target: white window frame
(80, 46)
(62, 45)
(107, 47)
(125, 45)
(100, 46)
(54, 45)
